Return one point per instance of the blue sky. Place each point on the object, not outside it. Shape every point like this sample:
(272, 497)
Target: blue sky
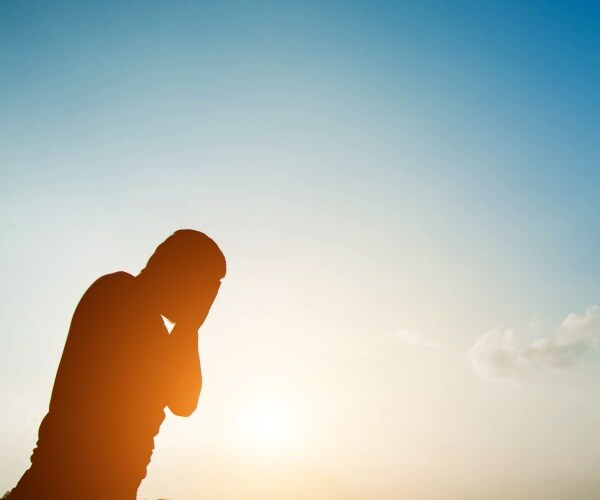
(370, 168)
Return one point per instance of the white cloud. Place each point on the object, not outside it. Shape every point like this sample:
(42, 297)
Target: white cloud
(576, 336)
(413, 338)
(496, 354)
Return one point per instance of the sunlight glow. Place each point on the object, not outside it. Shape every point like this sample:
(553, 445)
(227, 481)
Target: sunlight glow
(269, 426)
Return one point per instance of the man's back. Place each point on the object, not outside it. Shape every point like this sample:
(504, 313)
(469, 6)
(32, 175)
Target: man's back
(108, 398)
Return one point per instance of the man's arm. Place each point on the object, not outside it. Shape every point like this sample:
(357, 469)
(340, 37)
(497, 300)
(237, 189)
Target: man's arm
(184, 377)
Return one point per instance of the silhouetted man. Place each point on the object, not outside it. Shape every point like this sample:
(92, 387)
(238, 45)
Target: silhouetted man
(120, 368)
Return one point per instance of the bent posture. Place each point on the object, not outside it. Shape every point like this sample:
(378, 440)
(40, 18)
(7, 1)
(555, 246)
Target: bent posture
(120, 368)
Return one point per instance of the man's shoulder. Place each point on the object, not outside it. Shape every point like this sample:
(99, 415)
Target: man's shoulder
(106, 298)
(110, 286)
(116, 279)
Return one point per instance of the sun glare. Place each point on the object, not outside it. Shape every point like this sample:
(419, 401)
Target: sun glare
(269, 426)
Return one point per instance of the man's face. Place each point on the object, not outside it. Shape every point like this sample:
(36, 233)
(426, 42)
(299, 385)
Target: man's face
(188, 298)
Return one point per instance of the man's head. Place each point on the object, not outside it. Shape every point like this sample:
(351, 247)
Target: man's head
(185, 273)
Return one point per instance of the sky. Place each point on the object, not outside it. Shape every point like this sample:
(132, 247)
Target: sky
(407, 195)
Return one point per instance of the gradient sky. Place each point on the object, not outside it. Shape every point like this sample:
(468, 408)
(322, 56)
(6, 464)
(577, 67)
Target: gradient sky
(407, 194)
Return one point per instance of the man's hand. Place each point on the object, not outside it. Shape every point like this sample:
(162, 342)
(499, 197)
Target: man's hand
(196, 305)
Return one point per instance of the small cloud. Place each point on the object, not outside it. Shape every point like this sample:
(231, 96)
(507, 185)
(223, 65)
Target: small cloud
(496, 354)
(409, 337)
(576, 336)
